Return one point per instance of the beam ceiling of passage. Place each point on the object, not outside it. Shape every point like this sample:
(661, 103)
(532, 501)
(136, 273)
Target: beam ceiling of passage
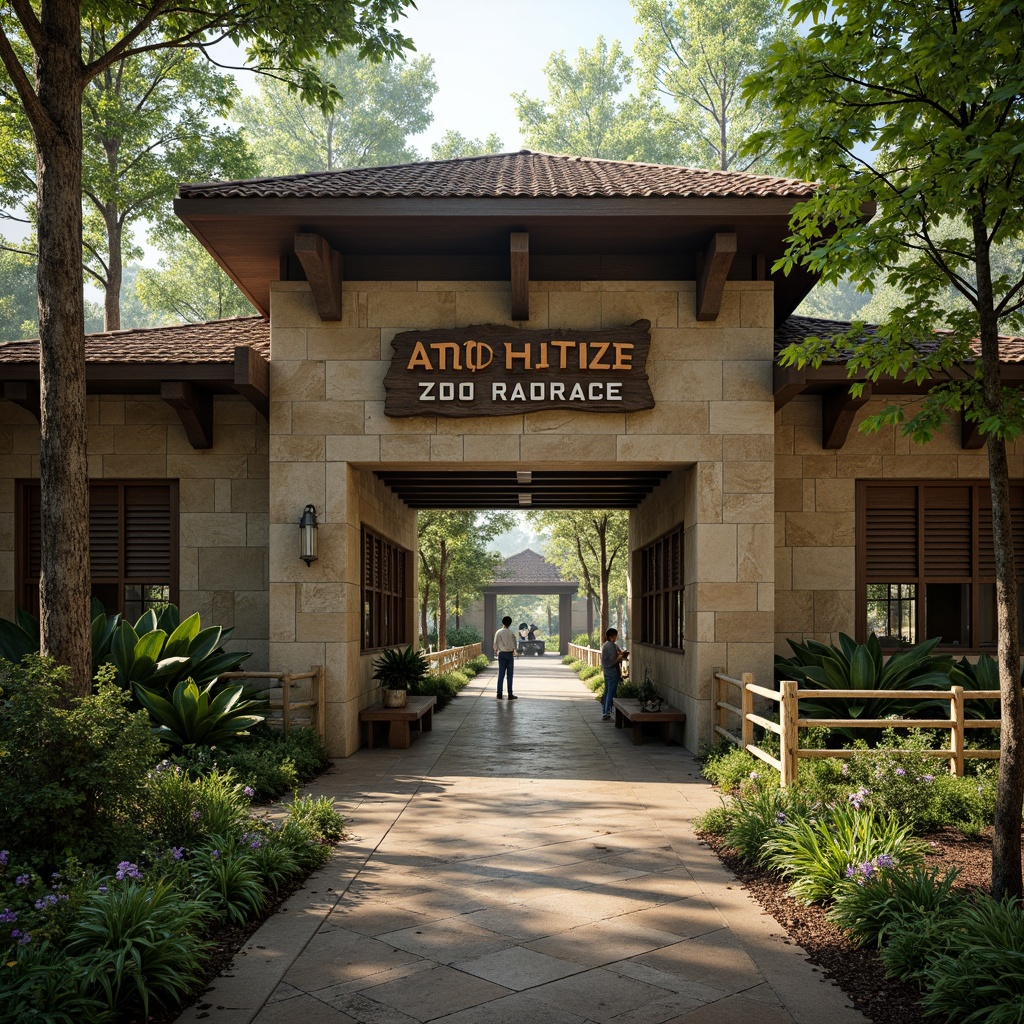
(557, 489)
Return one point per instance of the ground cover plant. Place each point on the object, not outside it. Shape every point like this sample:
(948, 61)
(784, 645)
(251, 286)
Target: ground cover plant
(122, 859)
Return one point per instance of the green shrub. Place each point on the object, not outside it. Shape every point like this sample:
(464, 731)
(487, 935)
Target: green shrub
(480, 662)
(182, 811)
(871, 905)
(444, 687)
(229, 878)
(979, 977)
(758, 813)
(715, 822)
(568, 659)
(464, 636)
(968, 804)
(318, 817)
(728, 767)
(42, 986)
(912, 942)
(72, 770)
(628, 689)
(192, 716)
(816, 852)
(143, 939)
(589, 671)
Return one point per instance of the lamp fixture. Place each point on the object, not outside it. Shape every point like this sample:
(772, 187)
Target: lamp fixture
(307, 535)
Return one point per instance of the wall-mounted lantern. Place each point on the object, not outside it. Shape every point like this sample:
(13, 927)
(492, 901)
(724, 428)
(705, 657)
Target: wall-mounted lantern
(307, 535)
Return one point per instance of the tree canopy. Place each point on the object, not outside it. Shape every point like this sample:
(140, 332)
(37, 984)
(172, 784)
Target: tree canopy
(589, 112)
(696, 54)
(915, 112)
(454, 144)
(382, 104)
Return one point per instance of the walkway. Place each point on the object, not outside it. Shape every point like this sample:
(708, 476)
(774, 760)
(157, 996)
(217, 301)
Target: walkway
(524, 863)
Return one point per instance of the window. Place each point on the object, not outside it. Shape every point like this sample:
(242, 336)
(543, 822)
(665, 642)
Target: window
(926, 564)
(133, 544)
(384, 574)
(661, 590)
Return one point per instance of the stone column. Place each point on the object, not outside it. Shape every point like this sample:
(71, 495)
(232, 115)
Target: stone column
(490, 623)
(564, 622)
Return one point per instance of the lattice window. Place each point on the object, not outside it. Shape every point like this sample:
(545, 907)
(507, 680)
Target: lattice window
(662, 620)
(384, 575)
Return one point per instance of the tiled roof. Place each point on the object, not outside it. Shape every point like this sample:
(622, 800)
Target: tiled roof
(529, 567)
(798, 328)
(211, 342)
(525, 173)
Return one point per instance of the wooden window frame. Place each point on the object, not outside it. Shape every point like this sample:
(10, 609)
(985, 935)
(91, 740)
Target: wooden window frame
(974, 579)
(27, 584)
(384, 619)
(662, 603)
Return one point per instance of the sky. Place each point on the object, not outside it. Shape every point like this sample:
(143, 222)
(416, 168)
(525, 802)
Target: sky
(484, 50)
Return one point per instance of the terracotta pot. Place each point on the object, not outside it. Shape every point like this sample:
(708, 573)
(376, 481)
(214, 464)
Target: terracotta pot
(394, 698)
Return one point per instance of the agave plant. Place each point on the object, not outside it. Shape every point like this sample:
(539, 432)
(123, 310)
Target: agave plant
(21, 636)
(198, 716)
(853, 666)
(401, 670)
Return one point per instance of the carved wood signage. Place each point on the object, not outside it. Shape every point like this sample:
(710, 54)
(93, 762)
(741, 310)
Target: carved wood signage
(490, 370)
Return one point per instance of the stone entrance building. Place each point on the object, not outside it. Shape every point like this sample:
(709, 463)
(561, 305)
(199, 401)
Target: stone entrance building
(757, 510)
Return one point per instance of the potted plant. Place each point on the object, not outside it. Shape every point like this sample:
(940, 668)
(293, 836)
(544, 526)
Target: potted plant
(400, 673)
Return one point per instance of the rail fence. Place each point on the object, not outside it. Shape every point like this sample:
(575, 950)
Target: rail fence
(452, 658)
(787, 728)
(296, 698)
(585, 654)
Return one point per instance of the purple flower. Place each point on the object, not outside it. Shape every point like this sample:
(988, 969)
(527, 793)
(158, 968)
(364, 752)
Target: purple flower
(867, 869)
(901, 771)
(8, 916)
(255, 844)
(215, 855)
(754, 775)
(25, 939)
(49, 900)
(15, 932)
(177, 852)
(928, 778)
(196, 815)
(23, 880)
(780, 818)
(845, 770)
(851, 871)
(249, 792)
(126, 869)
(5, 856)
(102, 888)
(884, 861)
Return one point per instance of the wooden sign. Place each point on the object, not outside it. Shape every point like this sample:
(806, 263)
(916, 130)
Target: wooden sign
(490, 370)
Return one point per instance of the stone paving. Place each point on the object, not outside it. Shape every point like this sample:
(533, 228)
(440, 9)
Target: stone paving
(524, 862)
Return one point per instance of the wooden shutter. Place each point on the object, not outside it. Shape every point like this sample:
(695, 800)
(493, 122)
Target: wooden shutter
(891, 532)
(986, 546)
(147, 533)
(947, 531)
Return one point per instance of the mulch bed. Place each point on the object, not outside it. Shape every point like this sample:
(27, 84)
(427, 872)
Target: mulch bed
(858, 972)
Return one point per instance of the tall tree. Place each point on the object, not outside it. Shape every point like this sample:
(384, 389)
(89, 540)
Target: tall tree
(588, 111)
(382, 104)
(188, 285)
(276, 36)
(591, 545)
(453, 548)
(454, 144)
(697, 54)
(919, 108)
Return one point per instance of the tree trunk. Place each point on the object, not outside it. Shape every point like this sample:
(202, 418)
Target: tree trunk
(424, 604)
(1006, 856)
(605, 573)
(442, 599)
(64, 584)
(115, 270)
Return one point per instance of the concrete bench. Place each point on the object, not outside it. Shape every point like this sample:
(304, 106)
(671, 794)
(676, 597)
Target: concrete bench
(417, 715)
(627, 710)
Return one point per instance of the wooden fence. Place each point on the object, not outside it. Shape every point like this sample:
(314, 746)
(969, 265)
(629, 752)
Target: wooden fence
(288, 693)
(585, 654)
(452, 658)
(787, 728)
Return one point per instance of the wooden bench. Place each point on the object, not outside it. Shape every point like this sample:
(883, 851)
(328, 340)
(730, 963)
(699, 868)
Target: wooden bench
(417, 715)
(627, 710)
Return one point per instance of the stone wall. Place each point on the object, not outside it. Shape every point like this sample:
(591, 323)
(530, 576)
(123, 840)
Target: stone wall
(223, 555)
(712, 388)
(815, 508)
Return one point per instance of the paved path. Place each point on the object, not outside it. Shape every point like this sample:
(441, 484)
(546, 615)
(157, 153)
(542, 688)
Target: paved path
(524, 863)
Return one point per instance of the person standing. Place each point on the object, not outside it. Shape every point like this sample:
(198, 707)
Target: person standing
(505, 647)
(612, 657)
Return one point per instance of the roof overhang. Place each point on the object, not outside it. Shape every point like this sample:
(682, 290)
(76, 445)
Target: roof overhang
(467, 238)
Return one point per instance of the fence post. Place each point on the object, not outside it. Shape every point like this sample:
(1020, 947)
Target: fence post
(790, 739)
(747, 706)
(286, 701)
(956, 731)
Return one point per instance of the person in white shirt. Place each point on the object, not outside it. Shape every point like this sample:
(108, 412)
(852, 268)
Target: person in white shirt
(505, 648)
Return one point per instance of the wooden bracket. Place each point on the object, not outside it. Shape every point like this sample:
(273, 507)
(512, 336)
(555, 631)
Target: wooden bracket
(519, 252)
(24, 394)
(714, 269)
(323, 266)
(787, 383)
(971, 438)
(838, 409)
(252, 378)
(194, 408)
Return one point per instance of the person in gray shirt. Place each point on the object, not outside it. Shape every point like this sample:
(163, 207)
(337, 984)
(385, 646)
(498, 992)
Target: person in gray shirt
(612, 657)
(505, 647)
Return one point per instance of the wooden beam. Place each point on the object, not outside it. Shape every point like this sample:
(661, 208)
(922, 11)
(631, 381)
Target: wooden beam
(194, 408)
(788, 382)
(24, 394)
(519, 252)
(838, 409)
(322, 265)
(252, 378)
(971, 438)
(714, 270)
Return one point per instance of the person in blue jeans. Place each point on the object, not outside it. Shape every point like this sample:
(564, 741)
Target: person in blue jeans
(505, 642)
(612, 657)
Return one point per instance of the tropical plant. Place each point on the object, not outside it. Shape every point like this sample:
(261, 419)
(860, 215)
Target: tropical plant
(401, 670)
(144, 940)
(817, 852)
(21, 636)
(853, 666)
(195, 715)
